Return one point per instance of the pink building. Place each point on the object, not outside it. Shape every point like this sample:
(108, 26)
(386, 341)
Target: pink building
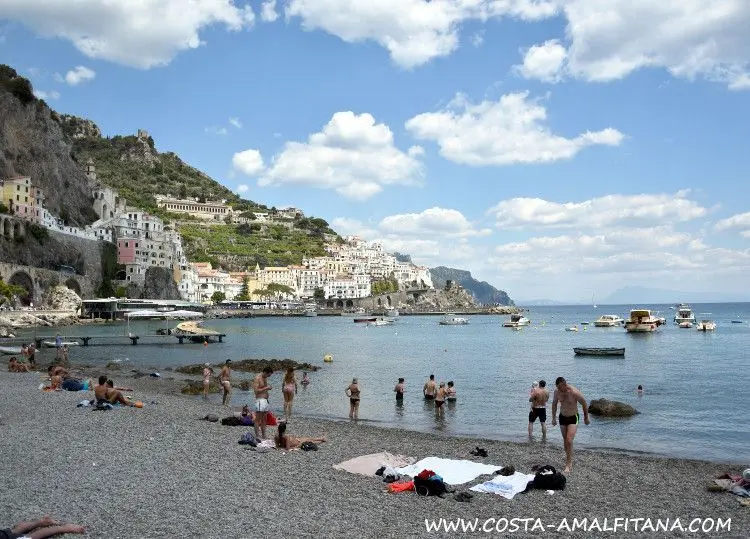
(126, 251)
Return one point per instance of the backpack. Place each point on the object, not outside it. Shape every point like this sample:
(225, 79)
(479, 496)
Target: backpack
(248, 439)
(428, 483)
(308, 446)
(548, 478)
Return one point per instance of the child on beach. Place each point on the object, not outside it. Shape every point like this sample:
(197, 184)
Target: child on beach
(39, 529)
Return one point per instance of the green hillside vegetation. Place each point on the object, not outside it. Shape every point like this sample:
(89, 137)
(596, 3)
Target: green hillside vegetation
(236, 246)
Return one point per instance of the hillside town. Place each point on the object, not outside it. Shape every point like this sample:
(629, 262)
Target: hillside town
(348, 270)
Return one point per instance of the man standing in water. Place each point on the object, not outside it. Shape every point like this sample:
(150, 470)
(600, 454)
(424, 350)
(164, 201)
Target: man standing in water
(538, 399)
(430, 388)
(225, 377)
(261, 389)
(568, 397)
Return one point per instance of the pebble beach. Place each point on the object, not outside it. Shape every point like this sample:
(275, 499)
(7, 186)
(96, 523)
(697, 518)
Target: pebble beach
(160, 471)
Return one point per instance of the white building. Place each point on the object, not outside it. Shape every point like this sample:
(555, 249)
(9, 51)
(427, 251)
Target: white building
(349, 287)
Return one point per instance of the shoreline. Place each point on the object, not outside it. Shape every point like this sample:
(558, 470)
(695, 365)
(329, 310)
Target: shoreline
(104, 469)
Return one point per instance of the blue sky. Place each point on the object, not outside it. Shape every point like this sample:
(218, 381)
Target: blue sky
(556, 148)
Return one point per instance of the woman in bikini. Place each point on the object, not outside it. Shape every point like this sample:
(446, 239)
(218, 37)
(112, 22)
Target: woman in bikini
(352, 391)
(208, 372)
(290, 442)
(289, 389)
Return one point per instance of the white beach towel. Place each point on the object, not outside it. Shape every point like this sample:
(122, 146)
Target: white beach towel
(507, 487)
(369, 464)
(453, 472)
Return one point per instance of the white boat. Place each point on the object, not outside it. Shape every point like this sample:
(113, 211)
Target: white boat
(683, 314)
(608, 321)
(453, 320)
(572, 328)
(706, 325)
(516, 321)
(685, 325)
(51, 344)
(641, 321)
(380, 322)
(10, 350)
(194, 331)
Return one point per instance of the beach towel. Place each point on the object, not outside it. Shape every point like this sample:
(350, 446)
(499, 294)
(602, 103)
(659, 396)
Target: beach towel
(505, 486)
(369, 464)
(453, 472)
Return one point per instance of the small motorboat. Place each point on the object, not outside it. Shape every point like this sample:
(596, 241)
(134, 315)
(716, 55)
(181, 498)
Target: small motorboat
(572, 328)
(608, 321)
(380, 322)
(599, 351)
(365, 320)
(51, 344)
(10, 350)
(516, 320)
(706, 325)
(453, 320)
(685, 324)
(736, 321)
(584, 323)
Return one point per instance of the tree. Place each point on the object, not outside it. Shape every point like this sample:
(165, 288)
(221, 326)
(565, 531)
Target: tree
(218, 297)
(183, 192)
(319, 293)
(121, 292)
(279, 289)
(244, 294)
(9, 290)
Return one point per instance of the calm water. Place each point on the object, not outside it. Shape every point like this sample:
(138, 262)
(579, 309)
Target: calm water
(695, 404)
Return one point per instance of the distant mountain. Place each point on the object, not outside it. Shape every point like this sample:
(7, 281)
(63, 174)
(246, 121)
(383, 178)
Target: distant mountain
(544, 302)
(631, 295)
(482, 291)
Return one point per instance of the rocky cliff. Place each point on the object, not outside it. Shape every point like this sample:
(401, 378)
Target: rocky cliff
(32, 143)
(482, 291)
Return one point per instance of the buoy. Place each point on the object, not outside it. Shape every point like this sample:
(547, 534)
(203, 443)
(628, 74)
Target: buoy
(328, 358)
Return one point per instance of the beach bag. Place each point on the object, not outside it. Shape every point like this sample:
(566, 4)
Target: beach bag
(548, 478)
(271, 420)
(428, 483)
(248, 439)
(308, 446)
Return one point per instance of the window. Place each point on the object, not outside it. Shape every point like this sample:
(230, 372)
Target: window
(126, 244)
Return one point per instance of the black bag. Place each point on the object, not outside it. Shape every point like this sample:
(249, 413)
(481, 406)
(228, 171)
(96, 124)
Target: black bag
(429, 487)
(231, 421)
(548, 478)
(308, 446)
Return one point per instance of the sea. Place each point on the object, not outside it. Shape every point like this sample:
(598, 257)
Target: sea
(695, 403)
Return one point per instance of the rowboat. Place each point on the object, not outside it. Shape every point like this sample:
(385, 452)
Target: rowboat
(10, 350)
(599, 351)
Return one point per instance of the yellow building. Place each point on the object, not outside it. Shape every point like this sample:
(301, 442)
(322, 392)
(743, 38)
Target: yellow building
(22, 198)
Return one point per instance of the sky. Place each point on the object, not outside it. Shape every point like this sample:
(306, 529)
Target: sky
(559, 149)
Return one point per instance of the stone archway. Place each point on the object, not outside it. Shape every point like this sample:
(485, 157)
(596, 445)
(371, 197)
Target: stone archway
(349, 303)
(17, 230)
(339, 304)
(7, 228)
(73, 285)
(24, 280)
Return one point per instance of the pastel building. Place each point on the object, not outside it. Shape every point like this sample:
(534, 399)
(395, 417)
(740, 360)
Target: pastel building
(21, 198)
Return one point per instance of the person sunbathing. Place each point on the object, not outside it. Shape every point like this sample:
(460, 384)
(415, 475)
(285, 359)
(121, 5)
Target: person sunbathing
(15, 366)
(290, 442)
(246, 416)
(106, 394)
(40, 529)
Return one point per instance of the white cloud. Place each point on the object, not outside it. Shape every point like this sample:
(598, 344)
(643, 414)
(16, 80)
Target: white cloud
(630, 210)
(413, 31)
(80, 74)
(544, 62)
(689, 38)
(33, 71)
(353, 155)
(431, 222)
(40, 94)
(477, 39)
(502, 132)
(268, 11)
(248, 162)
(216, 130)
(140, 34)
(741, 220)
(243, 188)
(236, 122)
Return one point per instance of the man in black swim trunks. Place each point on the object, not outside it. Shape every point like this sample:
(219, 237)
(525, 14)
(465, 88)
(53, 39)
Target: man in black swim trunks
(568, 397)
(538, 399)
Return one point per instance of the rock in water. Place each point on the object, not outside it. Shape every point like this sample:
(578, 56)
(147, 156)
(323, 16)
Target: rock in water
(62, 298)
(607, 408)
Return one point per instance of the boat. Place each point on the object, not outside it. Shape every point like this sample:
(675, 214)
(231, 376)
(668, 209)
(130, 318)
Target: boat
(641, 321)
(453, 320)
(572, 328)
(311, 312)
(599, 351)
(194, 331)
(10, 350)
(51, 344)
(363, 320)
(516, 320)
(380, 322)
(608, 321)
(736, 321)
(683, 314)
(584, 323)
(685, 325)
(706, 325)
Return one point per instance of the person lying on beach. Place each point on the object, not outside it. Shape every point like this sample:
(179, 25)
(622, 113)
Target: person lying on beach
(246, 416)
(107, 394)
(290, 442)
(39, 529)
(15, 366)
